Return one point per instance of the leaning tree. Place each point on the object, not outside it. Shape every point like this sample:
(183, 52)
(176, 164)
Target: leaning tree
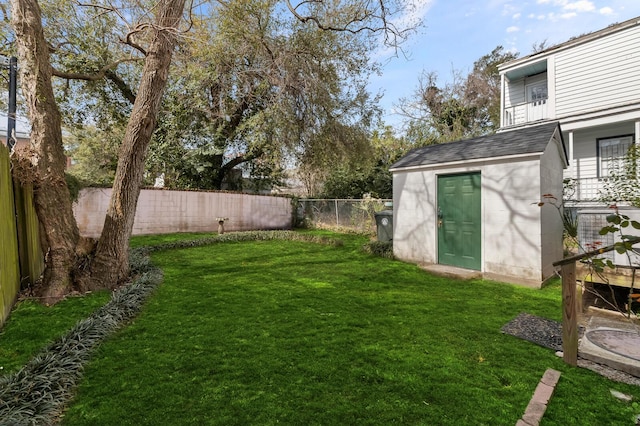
(125, 48)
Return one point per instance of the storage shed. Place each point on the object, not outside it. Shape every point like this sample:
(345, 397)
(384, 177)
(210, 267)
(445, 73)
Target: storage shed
(473, 204)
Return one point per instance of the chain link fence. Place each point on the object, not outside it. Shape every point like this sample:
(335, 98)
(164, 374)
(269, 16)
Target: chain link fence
(351, 215)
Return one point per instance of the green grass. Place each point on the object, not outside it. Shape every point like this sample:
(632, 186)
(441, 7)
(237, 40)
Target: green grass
(298, 333)
(32, 326)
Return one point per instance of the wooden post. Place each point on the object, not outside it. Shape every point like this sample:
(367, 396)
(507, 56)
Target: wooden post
(569, 300)
(569, 314)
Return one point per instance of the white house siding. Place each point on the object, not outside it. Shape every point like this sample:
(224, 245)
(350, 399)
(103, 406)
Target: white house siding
(551, 166)
(585, 161)
(602, 73)
(515, 95)
(516, 90)
(164, 211)
(511, 236)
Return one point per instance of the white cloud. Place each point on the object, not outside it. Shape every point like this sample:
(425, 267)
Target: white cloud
(580, 6)
(508, 9)
(568, 15)
(516, 16)
(606, 11)
(415, 11)
(513, 29)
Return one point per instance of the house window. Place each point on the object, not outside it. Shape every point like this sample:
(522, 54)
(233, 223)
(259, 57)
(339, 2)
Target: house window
(537, 97)
(611, 153)
(538, 94)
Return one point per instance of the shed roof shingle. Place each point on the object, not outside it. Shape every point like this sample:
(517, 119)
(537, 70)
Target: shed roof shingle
(527, 140)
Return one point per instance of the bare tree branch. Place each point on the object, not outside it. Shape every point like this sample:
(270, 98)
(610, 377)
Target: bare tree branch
(99, 75)
(369, 16)
(124, 88)
(129, 38)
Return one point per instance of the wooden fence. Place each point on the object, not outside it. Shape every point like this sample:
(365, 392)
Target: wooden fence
(9, 264)
(21, 259)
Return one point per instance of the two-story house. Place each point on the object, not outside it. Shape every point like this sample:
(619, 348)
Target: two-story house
(591, 86)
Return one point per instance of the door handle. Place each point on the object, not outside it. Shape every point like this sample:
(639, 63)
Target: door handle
(440, 217)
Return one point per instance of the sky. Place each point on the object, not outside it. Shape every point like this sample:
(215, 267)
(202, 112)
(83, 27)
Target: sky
(456, 33)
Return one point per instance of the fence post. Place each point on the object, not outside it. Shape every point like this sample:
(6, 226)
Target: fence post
(569, 314)
(337, 217)
(569, 300)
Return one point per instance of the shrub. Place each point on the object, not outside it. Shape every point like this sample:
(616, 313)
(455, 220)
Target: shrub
(378, 248)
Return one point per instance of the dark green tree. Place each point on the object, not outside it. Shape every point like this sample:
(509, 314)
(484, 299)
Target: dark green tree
(371, 174)
(260, 95)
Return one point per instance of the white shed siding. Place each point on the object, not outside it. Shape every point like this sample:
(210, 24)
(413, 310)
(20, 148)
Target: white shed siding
(414, 222)
(600, 74)
(511, 237)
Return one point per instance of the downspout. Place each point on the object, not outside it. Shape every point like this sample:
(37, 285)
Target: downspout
(11, 116)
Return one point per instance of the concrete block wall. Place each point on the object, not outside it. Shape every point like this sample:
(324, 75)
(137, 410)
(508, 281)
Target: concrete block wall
(167, 211)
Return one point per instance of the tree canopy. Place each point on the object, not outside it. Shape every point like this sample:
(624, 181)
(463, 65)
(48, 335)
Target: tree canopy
(371, 175)
(265, 93)
(251, 80)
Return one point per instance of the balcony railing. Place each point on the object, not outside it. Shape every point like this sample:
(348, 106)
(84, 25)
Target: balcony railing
(584, 189)
(525, 113)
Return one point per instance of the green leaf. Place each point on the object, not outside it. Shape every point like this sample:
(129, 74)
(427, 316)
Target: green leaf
(635, 224)
(608, 230)
(624, 223)
(614, 218)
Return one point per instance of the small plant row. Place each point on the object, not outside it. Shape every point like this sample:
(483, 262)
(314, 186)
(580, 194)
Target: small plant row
(237, 237)
(37, 393)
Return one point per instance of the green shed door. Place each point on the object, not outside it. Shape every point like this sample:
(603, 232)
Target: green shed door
(459, 228)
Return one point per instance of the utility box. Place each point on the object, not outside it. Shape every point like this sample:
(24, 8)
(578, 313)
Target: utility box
(384, 224)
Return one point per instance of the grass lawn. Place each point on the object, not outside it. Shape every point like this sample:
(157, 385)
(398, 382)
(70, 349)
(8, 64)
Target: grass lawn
(307, 334)
(31, 326)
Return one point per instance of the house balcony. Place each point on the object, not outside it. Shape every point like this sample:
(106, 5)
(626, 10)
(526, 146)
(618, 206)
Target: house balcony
(526, 112)
(583, 190)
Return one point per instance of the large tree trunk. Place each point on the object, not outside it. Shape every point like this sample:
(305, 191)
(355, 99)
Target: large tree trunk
(47, 158)
(111, 263)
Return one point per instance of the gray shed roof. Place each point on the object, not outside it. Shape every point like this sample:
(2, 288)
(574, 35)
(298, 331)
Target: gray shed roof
(526, 140)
